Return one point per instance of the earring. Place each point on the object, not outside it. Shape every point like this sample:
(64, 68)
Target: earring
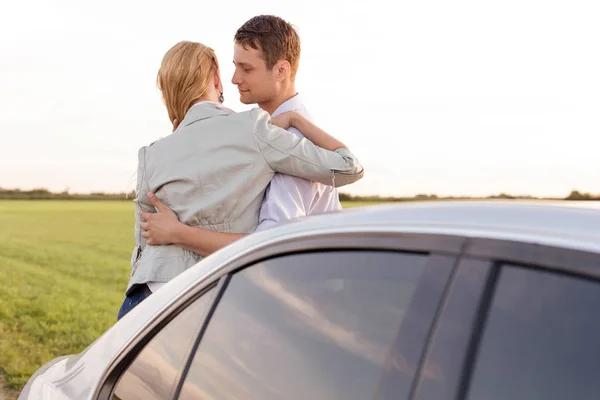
(221, 98)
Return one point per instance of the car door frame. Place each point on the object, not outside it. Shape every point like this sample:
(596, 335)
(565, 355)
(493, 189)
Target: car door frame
(440, 245)
(449, 362)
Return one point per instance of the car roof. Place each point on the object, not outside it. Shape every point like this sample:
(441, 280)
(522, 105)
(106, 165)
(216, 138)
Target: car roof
(574, 224)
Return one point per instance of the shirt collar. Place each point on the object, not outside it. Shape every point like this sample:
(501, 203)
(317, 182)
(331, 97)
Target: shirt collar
(292, 104)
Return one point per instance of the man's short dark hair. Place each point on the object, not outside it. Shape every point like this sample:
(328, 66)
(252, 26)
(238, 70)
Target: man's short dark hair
(275, 38)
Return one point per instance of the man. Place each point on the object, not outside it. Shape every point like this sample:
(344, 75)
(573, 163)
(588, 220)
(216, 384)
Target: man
(266, 58)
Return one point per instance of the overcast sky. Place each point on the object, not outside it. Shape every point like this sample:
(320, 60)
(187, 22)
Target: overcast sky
(446, 97)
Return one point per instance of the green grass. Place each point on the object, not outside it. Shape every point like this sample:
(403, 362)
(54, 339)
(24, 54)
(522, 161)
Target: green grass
(63, 268)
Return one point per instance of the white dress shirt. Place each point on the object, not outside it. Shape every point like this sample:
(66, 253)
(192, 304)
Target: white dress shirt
(288, 197)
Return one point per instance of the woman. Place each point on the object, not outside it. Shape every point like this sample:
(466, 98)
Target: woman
(214, 169)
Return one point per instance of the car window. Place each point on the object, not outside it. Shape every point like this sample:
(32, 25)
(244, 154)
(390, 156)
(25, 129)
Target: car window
(540, 340)
(307, 326)
(157, 368)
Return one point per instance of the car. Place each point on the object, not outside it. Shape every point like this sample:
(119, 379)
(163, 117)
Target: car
(425, 301)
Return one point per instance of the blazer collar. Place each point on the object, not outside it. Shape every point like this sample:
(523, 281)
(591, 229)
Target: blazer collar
(204, 110)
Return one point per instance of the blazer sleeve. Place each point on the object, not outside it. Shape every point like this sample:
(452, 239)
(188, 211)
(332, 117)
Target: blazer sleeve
(286, 153)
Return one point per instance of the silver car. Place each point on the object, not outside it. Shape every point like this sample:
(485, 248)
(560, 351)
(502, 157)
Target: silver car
(424, 301)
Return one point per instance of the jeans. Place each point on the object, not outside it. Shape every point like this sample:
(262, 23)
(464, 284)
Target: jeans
(135, 297)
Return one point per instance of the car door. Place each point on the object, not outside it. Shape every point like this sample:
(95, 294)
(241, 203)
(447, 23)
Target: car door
(520, 322)
(332, 323)
(357, 307)
(539, 339)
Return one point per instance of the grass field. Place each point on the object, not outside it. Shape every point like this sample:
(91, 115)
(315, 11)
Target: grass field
(63, 268)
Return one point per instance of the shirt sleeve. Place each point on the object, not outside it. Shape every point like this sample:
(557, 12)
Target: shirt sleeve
(285, 199)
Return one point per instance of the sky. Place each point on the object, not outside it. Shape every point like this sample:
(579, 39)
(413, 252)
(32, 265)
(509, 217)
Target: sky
(452, 98)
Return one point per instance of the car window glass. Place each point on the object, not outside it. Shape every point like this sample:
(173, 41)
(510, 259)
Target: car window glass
(540, 340)
(154, 373)
(306, 326)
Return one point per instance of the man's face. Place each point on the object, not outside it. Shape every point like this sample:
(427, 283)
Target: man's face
(255, 82)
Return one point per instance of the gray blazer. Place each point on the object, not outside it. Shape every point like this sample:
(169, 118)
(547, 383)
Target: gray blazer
(213, 172)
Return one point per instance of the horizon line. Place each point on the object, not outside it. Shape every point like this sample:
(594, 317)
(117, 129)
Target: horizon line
(424, 196)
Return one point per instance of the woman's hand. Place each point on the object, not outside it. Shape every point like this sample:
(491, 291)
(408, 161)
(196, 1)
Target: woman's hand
(285, 120)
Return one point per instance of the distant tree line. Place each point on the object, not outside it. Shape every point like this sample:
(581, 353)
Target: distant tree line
(44, 194)
(574, 195)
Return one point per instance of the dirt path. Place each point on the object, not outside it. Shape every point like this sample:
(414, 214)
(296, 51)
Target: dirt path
(6, 394)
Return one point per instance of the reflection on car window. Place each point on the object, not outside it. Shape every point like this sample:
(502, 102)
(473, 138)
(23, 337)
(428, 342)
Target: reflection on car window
(154, 373)
(306, 326)
(540, 340)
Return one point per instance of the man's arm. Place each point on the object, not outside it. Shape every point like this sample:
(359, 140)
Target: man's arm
(163, 227)
(309, 130)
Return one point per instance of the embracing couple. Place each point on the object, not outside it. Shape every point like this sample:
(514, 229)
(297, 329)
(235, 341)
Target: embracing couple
(222, 174)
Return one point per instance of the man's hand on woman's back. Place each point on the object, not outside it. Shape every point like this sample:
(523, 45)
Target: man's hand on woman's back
(161, 227)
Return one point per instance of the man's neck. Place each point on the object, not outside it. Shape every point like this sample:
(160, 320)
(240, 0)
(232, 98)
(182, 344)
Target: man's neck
(272, 105)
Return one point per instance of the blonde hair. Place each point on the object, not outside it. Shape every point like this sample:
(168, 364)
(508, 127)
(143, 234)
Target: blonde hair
(184, 76)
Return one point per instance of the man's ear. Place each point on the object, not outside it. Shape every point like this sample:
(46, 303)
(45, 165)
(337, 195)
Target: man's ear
(283, 70)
